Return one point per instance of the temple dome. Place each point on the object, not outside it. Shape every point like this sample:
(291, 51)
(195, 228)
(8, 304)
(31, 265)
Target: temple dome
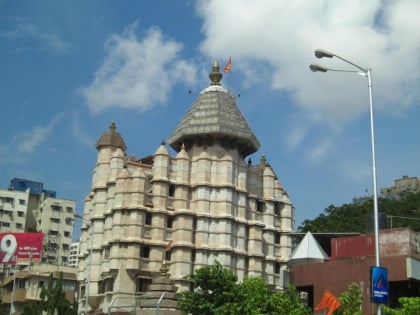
(111, 138)
(215, 115)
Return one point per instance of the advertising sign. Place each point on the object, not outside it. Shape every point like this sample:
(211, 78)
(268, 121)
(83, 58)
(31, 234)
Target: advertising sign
(20, 248)
(379, 284)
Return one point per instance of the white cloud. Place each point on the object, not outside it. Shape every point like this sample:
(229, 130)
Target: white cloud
(281, 36)
(79, 132)
(45, 40)
(383, 35)
(319, 151)
(137, 73)
(28, 141)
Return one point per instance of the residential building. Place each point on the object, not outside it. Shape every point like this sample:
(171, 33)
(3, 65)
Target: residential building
(74, 254)
(13, 210)
(349, 260)
(24, 286)
(27, 206)
(206, 203)
(55, 219)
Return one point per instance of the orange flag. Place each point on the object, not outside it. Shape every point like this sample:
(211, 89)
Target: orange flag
(228, 65)
(329, 301)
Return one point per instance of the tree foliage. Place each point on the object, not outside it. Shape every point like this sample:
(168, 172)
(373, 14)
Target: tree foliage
(409, 306)
(351, 301)
(216, 292)
(353, 217)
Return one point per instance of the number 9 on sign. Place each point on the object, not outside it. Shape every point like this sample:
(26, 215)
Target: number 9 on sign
(8, 245)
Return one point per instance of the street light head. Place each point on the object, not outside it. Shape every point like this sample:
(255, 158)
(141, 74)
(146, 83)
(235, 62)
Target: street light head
(320, 53)
(317, 68)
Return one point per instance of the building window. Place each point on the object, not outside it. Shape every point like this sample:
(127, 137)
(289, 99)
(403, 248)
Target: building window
(171, 190)
(55, 220)
(22, 202)
(64, 259)
(277, 208)
(9, 200)
(277, 238)
(66, 234)
(143, 284)
(109, 284)
(69, 209)
(169, 222)
(101, 287)
(19, 226)
(66, 247)
(145, 251)
(260, 205)
(106, 253)
(56, 208)
(21, 214)
(148, 219)
(52, 232)
(277, 268)
(5, 224)
(167, 255)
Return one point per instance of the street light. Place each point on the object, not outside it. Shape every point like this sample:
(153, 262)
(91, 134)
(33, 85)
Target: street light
(12, 309)
(366, 72)
(89, 269)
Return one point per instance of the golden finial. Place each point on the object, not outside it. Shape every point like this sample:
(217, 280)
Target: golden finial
(215, 75)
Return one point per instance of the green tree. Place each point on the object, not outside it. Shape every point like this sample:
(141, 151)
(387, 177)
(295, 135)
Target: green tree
(409, 306)
(33, 308)
(213, 287)
(252, 297)
(353, 217)
(351, 301)
(288, 303)
(216, 292)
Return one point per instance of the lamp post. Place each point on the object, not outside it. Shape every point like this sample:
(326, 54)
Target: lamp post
(89, 269)
(12, 309)
(366, 72)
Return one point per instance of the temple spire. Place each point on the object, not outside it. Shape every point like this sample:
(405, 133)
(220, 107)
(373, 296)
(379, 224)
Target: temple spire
(215, 75)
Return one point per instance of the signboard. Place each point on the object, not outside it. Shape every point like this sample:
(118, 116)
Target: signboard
(379, 284)
(20, 248)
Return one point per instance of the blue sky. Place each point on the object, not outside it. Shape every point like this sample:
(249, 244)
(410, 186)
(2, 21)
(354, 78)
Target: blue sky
(70, 68)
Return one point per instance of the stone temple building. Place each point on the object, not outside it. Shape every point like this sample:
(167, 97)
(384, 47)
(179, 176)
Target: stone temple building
(207, 202)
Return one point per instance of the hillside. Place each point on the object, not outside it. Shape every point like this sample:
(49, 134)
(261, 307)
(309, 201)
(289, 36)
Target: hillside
(404, 212)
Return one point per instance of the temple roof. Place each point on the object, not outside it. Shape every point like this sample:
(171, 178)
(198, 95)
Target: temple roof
(308, 250)
(215, 114)
(111, 138)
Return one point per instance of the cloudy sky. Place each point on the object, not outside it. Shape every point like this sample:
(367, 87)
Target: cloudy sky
(68, 69)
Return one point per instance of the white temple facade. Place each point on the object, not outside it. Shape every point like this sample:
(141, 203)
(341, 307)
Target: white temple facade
(207, 202)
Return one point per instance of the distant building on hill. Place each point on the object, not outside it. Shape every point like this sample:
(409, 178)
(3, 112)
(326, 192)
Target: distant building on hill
(401, 187)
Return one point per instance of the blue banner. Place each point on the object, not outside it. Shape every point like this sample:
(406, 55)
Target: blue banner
(379, 284)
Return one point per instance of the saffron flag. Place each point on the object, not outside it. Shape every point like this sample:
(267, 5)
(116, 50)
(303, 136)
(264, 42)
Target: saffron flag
(228, 65)
(329, 301)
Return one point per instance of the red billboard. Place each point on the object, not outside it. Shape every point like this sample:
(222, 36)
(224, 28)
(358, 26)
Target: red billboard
(20, 248)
